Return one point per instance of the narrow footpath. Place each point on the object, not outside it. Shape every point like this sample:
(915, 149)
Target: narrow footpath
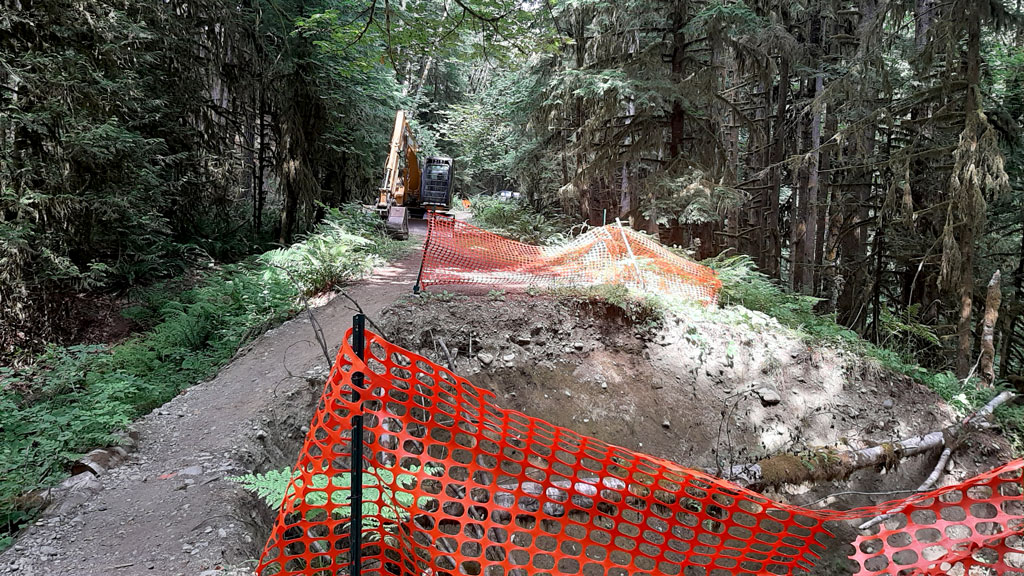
(169, 510)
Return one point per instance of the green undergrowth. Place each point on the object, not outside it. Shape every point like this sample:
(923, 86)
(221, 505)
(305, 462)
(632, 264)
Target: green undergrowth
(73, 399)
(645, 312)
(516, 219)
(379, 486)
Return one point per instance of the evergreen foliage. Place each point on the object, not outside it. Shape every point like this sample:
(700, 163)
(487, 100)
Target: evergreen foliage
(138, 140)
(865, 154)
(516, 219)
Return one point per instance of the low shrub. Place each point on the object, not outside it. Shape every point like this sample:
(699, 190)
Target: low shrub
(516, 219)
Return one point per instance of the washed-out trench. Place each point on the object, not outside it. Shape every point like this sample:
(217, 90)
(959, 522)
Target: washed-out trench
(699, 391)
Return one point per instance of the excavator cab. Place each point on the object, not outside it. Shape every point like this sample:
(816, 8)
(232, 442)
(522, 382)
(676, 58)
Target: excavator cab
(436, 187)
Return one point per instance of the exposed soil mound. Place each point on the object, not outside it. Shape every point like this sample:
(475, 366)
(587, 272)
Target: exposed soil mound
(699, 391)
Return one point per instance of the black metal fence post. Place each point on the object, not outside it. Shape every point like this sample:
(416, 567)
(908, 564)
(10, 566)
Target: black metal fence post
(356, 481)
(426, 246)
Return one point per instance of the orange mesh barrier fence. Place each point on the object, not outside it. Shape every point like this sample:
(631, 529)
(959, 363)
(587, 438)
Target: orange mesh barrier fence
(455, 485)
(957, 530)
(459, 253)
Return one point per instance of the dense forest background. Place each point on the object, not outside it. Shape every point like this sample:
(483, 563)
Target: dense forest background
(865, 152)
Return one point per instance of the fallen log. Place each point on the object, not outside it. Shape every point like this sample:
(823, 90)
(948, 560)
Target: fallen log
(830, 464)
(929, 482)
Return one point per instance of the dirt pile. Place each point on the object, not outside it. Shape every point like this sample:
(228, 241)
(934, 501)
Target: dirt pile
(702, 391)
(697, 391)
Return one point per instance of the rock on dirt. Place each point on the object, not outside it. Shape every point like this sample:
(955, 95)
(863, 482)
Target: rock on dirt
(768, 396)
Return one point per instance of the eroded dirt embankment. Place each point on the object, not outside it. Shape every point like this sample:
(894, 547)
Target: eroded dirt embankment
(701, 391)
(697, 391)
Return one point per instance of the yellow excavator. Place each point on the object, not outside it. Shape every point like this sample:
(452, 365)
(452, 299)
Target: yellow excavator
(407, 189)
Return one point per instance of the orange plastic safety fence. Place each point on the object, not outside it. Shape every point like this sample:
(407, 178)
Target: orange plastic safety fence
(454, 484)
(972, 525)
(459, 253)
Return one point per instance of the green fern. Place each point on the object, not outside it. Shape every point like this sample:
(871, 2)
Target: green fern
(379, 485)
(903, 332)
(744, 284)
(269, 486)
(517, 219)
(69, 400)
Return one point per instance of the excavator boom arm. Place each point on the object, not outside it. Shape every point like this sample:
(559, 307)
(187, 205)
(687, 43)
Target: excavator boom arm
(400, 183)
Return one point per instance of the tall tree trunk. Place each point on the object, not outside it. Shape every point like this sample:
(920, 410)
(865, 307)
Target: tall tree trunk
(677, 115)
(580, 33)
(1013, 310)
(625, 191)
(773, 249)
(424, 74)
(827, 221)
(923, 184)
(972, 105)
(924, 15)
(759, 154)
(625, 201)
(261, 165)
(988, 348)
(853, 240)
(800, 211)
(813, 192)
(852, 203)
(300, 123)
(678, 53)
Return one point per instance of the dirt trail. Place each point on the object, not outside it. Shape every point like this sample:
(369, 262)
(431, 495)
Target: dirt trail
(169, 510)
